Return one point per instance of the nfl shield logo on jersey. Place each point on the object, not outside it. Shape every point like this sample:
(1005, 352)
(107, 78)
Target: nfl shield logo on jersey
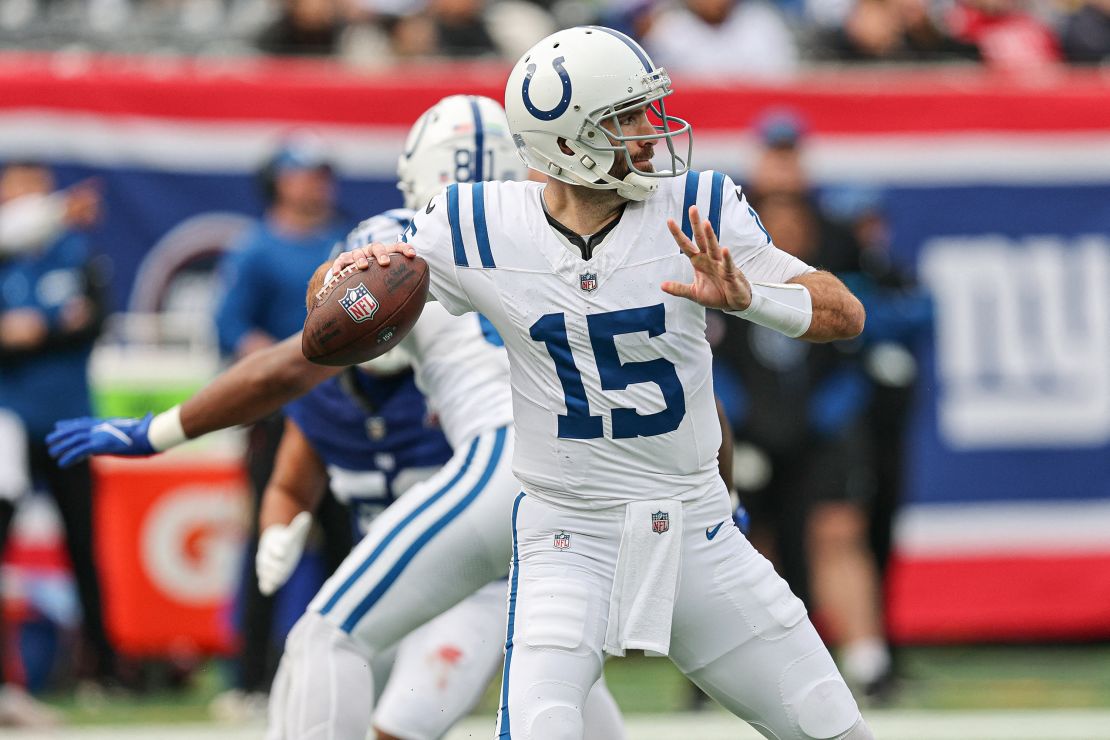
(562, 541)
(660, 522)
(359, 303)
(587, 281)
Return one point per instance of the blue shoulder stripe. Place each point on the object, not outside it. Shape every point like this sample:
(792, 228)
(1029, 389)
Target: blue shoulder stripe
(479, 143)
(478, 195)
(690, 199)
(456, 229)
(715, 198)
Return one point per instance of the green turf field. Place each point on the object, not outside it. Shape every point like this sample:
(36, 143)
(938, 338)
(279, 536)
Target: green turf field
(934, 679)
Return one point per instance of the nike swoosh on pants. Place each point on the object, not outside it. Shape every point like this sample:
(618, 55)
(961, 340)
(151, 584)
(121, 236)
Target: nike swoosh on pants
(711, 532)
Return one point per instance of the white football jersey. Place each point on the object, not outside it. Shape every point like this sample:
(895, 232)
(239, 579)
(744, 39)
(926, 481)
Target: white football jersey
(460, 361)
(611, 377)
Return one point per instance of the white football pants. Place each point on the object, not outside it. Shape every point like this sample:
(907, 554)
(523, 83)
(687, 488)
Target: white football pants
(737, 631)
(445, 539)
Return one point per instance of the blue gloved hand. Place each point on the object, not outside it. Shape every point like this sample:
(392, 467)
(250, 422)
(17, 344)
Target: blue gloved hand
(741, 519)
(75, 439)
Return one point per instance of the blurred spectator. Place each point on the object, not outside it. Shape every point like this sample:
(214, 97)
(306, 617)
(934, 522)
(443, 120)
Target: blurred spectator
(461, 29)
(305, 28)
(894, 30)
(899, 315)
(264, 281)
(801, 408)
(51, 311)
(1086, 34)
(737, 38)
(1005, 35)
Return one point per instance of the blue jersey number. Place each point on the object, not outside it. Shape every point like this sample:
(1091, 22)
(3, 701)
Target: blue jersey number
(578, 422)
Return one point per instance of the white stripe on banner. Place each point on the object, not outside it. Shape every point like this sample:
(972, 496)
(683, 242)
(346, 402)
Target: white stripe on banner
(371, 151)
(186, 146)
(959, 530)
(973, 158)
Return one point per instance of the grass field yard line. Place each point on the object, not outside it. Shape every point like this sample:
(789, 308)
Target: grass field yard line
(1081, 724)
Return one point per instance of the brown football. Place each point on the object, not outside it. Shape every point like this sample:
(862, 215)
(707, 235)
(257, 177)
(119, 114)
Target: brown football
(361, 314)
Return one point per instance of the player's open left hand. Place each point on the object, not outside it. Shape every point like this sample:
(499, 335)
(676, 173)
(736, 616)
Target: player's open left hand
(362, 255)
(718, 283)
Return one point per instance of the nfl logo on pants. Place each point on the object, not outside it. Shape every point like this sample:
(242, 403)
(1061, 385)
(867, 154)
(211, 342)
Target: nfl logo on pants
(660, 522)
(359, 303)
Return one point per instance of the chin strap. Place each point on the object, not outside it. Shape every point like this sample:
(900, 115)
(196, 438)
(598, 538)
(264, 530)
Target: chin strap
(637, 187)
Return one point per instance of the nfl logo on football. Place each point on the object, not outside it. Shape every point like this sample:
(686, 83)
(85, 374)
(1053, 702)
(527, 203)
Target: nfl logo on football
(359, 303)
(587, 281)
(562, 541)
(660, 522)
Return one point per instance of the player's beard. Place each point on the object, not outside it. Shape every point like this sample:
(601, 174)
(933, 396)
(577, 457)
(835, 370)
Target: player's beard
(642, 162)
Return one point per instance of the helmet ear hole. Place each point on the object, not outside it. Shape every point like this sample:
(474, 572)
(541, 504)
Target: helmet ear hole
(564, 147)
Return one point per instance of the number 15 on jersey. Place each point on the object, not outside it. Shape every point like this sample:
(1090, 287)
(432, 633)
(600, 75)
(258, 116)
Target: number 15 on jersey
(578, 422)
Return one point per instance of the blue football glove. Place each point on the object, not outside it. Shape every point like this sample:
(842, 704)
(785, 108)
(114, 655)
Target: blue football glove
(75, 439)
(741, 519)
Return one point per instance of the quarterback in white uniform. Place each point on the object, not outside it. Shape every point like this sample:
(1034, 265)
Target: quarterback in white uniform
(617, 537)
(445, 539)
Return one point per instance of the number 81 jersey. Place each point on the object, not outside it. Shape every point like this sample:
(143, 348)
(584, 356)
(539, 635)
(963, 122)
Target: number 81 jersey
(611, 377)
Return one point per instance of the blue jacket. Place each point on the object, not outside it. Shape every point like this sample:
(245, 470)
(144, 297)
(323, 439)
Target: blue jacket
(264, 282)
(361, 424)
(49, 382)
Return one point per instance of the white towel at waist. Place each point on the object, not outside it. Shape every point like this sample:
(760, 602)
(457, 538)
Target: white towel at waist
(646, 579)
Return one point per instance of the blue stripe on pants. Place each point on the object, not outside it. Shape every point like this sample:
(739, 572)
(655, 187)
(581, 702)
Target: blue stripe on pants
(351, 579)
(390, 577)
(505, 731)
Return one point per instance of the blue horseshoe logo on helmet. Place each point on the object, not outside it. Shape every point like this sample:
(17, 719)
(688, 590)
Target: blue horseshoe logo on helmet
(564, 102)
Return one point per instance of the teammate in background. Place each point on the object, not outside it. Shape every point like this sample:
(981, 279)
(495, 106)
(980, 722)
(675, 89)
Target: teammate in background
(263, 280)
(617, 536)
(370, 436)
(446, 537)
(51, 311)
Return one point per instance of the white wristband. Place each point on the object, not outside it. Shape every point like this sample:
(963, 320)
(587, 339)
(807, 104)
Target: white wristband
(165, 430)
(784, 307)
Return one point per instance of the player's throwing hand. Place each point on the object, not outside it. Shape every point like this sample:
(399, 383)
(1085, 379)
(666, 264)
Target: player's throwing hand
(361, 255)
(718, 283)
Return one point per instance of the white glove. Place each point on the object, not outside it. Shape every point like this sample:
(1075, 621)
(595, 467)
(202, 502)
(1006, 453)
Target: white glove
(279, 550)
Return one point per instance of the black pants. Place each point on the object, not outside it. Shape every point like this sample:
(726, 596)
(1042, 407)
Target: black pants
(259, 656)
(73, 494)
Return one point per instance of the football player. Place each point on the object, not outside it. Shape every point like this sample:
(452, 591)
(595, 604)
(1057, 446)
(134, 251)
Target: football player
(447, 536)
(617, 536)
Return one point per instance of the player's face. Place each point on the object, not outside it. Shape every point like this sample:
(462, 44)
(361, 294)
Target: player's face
(633, 123)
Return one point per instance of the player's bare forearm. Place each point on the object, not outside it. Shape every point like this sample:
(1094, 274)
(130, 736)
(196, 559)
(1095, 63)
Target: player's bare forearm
(298, 481)
(837, 314)
(253, 388)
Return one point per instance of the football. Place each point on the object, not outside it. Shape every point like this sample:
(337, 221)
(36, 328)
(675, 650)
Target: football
(361, 314)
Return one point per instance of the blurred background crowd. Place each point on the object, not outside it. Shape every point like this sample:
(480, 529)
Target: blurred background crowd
(754, 39)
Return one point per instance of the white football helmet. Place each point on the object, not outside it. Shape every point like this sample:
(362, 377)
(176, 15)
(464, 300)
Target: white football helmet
(462, 138)
(565, 86)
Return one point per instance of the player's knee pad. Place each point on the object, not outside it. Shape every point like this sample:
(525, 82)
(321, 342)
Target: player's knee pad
(555, 713)
(827, 710)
